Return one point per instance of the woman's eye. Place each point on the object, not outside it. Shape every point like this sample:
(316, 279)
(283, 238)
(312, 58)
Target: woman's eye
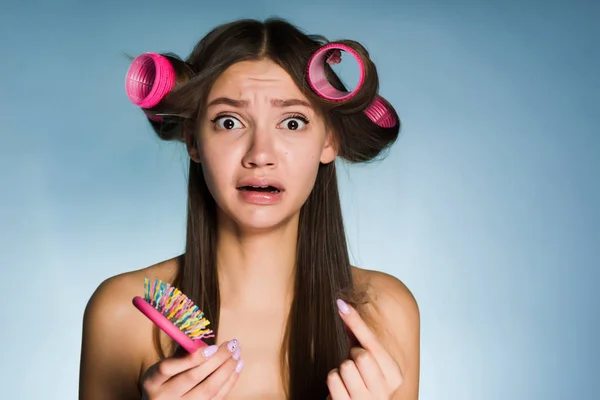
(228, 123)
(294, 123)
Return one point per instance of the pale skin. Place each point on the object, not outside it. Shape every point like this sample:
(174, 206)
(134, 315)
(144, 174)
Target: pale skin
(256, 253)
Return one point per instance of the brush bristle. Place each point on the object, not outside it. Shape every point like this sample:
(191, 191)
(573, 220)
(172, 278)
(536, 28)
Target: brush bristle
(177, 308)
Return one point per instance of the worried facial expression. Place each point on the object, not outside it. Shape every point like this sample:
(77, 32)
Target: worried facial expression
(260, 144)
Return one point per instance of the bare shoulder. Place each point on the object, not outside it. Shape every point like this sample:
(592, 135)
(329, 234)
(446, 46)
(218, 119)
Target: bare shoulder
(390, 295)
(117, 338)
(394, 316)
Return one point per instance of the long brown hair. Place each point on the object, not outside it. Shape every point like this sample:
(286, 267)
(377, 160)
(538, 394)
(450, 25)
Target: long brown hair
(315, 340)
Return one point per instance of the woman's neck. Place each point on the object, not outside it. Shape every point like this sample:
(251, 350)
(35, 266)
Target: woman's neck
(256, 270)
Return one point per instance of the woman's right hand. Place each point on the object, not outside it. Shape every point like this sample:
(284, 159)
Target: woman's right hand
(208, 373)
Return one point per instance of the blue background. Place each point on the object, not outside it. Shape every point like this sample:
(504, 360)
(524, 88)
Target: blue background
(487, 207)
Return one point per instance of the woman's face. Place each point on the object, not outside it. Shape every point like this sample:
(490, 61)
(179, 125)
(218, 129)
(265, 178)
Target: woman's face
(260, 144)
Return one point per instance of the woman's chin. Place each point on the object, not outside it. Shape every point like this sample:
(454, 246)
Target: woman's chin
(263, 220)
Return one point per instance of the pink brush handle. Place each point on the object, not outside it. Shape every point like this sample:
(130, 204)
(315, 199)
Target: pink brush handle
(378, 111)
(167, 326)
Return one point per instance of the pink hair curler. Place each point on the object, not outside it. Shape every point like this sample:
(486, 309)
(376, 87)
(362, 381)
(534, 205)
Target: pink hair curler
(174, 313)
(378, 112)
(149, 78)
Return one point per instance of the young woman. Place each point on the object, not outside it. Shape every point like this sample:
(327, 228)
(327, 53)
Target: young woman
(266, 256)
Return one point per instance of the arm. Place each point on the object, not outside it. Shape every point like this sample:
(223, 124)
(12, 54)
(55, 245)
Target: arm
(108, 368)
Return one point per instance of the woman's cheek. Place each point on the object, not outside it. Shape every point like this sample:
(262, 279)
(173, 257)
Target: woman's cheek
(305, 169)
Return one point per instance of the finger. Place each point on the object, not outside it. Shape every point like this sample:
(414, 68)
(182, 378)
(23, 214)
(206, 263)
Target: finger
(369, 341)
(365, 336)
(228, 385)
(353, 381)
(211, 386)
(369, 371)
(337, 390)
(173, 366)
(185, 381)
(359, 328)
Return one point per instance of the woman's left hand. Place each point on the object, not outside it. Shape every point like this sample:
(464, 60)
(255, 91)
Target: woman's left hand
(371, 373)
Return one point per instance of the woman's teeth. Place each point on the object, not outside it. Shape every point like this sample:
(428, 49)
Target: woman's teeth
(271, 189)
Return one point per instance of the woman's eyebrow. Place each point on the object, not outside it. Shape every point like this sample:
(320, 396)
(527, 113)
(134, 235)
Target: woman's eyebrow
(290, 102)
(229, 102)
(244, 103)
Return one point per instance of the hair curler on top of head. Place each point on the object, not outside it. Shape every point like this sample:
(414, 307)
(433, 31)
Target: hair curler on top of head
(378, 111)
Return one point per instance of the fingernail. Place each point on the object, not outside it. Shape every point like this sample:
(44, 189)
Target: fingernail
(232, 345)
(237, 354)
(342, 306)
(239, 366)
(210, 350)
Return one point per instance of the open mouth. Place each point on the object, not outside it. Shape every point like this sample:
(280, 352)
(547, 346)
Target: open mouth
(263, 189)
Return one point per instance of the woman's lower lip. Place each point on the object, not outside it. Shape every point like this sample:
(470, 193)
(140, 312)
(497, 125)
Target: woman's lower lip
(256, 197)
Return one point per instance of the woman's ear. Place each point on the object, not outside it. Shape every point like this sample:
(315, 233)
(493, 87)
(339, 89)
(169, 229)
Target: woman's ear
(330, 148)
(189, 134)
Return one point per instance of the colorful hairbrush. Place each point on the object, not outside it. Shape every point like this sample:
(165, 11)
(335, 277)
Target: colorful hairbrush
(378, 111)
(174, 313)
